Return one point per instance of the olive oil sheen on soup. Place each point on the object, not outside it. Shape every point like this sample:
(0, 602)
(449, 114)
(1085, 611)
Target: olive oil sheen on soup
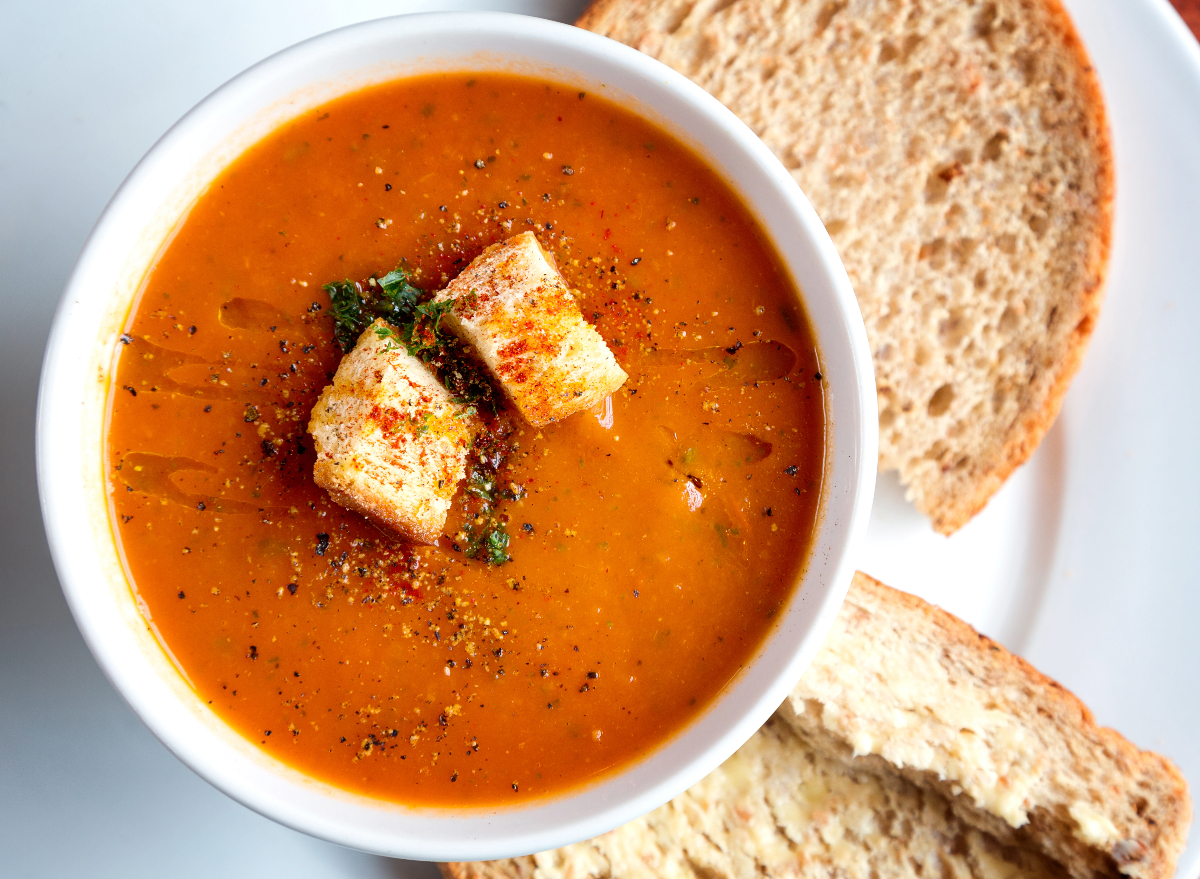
(599, 579)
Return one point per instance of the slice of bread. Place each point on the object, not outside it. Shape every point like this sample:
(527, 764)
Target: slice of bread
(912, 747)
(957, 152)
(514, 307)
(391, 443)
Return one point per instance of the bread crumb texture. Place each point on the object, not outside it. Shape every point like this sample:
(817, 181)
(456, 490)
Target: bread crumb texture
(514, 307)
(390, 442)
(912, 747)
(958, 154)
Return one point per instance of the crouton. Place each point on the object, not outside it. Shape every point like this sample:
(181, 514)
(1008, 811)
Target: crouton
(391, 443)
(514, 307)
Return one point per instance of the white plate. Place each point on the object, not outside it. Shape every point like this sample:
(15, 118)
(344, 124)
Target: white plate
(1086, 562)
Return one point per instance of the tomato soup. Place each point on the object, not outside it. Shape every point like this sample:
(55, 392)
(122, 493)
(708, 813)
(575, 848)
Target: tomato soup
(651, 542)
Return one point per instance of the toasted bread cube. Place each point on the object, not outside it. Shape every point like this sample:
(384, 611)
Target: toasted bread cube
(514, 307)
(391, 443)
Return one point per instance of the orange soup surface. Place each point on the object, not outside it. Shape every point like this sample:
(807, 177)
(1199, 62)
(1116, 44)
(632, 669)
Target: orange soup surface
(651, 543)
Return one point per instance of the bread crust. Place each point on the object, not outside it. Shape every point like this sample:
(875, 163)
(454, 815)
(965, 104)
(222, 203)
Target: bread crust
(954, 432)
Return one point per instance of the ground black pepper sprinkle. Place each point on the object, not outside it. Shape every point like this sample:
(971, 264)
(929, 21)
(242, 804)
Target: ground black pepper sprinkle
(791, 470)
(635, 260)
(126, 338)
(292, 587)
(181, 595)
(322, 543)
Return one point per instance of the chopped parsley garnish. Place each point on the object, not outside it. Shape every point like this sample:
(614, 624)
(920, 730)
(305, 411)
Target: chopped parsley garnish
(485, 532)
(414, 324)
(396, 301)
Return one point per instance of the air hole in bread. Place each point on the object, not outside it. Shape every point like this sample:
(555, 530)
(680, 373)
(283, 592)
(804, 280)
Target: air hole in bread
(1029, 65)
(941, 400)
(953, 328)
(676, 17)
(935, 252)
(939, 181)
(999, 396)
(964, 248)
(911, 41)
(994, 148)
(985, 19)
(828, 11)
(1008, 320)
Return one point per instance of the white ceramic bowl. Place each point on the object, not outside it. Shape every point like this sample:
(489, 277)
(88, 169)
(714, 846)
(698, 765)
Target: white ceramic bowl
(72, 410)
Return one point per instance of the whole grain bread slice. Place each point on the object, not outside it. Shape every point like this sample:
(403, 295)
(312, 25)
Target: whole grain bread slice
(912, 747)
(957, 152)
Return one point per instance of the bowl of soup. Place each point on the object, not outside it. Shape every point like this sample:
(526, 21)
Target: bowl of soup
(614, 599)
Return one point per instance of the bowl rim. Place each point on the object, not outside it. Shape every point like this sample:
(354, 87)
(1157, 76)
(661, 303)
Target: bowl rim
(137, 222)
